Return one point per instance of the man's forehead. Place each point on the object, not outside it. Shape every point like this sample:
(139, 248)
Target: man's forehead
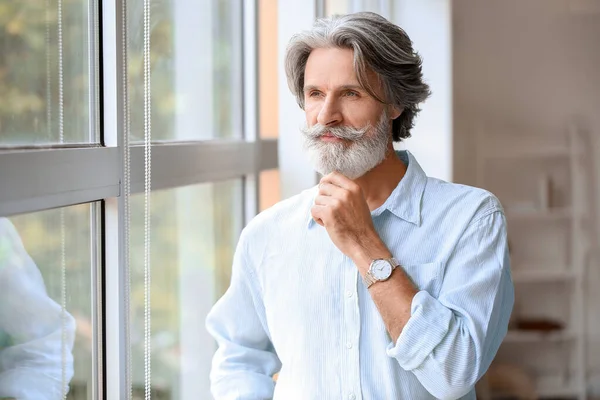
(327, 61)
(334, 69)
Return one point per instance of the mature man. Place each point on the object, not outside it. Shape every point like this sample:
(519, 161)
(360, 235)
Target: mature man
(379, 283)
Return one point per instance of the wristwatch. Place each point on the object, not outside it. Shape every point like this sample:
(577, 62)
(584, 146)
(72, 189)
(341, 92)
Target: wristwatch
(380, 270)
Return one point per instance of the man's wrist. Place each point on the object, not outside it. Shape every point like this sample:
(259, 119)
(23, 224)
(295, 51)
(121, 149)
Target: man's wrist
(368, 250)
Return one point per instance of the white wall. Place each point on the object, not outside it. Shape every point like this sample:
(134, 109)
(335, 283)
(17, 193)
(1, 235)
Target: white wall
(529, 63)
(296, 171)
(428, 23)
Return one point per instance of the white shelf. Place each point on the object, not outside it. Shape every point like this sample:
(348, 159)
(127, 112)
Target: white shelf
(516, 336)
(531, 158)
(542, 276)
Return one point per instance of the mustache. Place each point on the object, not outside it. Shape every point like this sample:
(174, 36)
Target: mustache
(340, 132)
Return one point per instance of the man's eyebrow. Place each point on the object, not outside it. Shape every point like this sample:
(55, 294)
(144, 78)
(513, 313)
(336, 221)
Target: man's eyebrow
(343, 87)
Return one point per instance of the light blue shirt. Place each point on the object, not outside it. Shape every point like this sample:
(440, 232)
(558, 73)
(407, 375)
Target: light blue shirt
(36, 336)
(297, 304)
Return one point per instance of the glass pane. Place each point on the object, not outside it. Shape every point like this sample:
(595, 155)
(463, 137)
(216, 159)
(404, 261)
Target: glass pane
(46, 304)
(196, 69)
(270, 188)
(43, 74)
(194, 231)
(267, 71)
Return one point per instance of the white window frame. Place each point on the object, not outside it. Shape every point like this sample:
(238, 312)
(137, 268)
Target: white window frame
(36, 179)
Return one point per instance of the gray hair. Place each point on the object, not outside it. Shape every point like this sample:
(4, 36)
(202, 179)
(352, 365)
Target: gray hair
(378, 45)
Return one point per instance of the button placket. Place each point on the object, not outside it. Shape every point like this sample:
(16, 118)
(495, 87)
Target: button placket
(351, 332)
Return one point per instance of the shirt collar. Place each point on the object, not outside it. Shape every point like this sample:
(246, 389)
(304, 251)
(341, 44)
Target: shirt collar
(405, 200)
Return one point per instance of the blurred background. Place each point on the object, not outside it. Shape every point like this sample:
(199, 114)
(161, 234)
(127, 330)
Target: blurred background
(515, 109)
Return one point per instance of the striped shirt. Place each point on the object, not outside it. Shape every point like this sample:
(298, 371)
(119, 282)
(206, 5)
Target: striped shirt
(298, 305)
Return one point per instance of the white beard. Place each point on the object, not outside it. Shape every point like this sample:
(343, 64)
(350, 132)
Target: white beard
(366, 150)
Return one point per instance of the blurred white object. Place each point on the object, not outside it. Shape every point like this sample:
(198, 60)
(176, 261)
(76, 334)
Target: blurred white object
(36, 337)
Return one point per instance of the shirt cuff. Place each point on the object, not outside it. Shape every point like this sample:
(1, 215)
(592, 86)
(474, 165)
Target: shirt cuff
(427, 326)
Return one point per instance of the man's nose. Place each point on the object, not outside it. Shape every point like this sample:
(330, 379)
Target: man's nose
(330, 113)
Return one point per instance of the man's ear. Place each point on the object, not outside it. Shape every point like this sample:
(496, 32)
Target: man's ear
(394, 112)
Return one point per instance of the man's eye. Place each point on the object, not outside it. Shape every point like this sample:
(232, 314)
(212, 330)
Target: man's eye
(314, 94)
(351, 94)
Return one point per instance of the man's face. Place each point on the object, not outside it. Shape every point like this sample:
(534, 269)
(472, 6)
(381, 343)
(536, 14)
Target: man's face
(347, 130)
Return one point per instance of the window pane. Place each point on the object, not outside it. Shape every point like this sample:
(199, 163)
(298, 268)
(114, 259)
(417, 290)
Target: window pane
(267, 63)
(196, 69)
(270, 188)
(46, 305)
(194, 231)
(36, 87)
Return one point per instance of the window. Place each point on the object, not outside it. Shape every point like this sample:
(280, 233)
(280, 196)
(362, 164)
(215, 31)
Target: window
(46, 90)
(194, 233)
(196, 70)
(47, 318)
(63, 176)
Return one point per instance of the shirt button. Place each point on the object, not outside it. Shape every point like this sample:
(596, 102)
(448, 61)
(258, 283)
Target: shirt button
(348, 293)
(349, 345)
(352, 396)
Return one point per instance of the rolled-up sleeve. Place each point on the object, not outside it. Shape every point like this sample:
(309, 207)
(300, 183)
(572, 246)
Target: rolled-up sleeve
(245, 361)
(450, 341)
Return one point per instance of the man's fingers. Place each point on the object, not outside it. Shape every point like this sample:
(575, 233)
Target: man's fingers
(317, 210)
(317, 213)
(327, 201)
(337, 179)
(329, 189)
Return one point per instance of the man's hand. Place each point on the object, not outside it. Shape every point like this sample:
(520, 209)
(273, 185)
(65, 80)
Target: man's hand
(340, 207)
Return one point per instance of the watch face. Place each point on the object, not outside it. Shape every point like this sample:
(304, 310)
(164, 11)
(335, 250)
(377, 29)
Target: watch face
(381, 270)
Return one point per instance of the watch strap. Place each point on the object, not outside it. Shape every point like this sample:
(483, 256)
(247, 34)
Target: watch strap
(369, 279)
